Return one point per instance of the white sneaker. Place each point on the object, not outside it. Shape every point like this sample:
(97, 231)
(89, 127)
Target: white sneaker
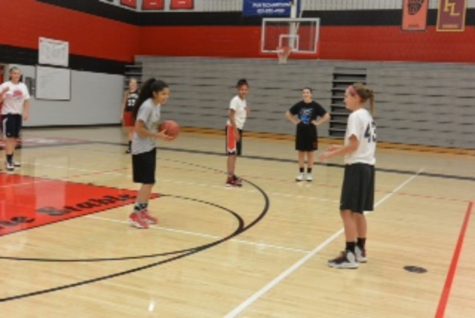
(300, 177)
(345, 260)
(360, 255)
(309, 177)
(16, 164)
(9, 166)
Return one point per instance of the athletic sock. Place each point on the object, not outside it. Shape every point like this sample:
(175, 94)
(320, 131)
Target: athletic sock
(140, 207)
(361, 242)
(309, 170)
(350, 246)
(301, 169)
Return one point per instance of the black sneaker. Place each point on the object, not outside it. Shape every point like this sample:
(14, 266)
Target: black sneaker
(346, 259)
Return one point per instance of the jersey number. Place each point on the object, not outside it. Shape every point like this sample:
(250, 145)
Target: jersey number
(370, 132)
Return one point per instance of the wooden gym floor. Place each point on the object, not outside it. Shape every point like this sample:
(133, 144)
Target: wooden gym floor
(256, 251)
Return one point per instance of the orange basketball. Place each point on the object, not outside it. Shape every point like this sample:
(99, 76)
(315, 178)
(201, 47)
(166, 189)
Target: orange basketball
(172, 127)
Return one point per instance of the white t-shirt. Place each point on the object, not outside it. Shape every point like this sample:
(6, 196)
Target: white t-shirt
(362, 126)
(239, 106)
(14, 98)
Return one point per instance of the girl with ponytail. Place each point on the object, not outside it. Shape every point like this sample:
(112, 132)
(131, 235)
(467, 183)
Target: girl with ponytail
(357, 193)
(153, 96)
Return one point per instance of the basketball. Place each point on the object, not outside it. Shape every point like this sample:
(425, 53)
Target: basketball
(172, 127)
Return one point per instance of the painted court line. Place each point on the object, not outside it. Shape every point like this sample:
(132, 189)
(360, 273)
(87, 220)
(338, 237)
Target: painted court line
(248, 302)
(120, 171)
(203, 235)
(444, 298)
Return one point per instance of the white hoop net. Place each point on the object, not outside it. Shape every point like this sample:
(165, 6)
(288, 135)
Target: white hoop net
(283, 54)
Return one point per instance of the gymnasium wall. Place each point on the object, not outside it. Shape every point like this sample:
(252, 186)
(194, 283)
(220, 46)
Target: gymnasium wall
(97, 59)
(96, 98)
(103, 38)
(420, 103)
(89, 35)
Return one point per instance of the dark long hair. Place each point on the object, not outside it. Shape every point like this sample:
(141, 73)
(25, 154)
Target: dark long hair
(151, 86)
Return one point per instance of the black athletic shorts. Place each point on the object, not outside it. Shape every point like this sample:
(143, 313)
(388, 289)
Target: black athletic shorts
(233, 147)
(306, 138)
(357, 193)
(143, 166)
(11, 125)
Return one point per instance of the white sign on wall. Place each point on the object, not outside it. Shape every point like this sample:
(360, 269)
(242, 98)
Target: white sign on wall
(53, 83)
(53, 52)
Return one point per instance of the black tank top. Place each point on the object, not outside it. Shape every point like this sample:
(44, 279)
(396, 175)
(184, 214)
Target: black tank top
(131, 99)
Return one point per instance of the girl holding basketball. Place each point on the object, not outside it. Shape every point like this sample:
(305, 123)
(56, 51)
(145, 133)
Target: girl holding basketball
(357, 193)
(237, 115)
(16, 109)
(306, 115)
(153, 96)
(130, 97)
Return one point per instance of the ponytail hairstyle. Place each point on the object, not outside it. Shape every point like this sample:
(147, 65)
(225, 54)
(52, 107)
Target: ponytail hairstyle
(242, 82)
(151, 86)
(365, 94)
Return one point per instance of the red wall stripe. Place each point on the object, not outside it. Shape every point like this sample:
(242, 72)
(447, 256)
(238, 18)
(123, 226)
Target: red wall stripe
(346, 43)
(98, 37)
(24, 21)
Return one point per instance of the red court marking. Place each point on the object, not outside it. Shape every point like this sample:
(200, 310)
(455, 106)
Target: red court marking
(28, 202)
(41, 142)
(444, 298)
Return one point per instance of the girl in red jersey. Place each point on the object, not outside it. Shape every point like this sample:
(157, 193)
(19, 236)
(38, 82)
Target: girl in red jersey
(130, 97)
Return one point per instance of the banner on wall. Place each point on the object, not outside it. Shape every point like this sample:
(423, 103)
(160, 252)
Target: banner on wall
(451, 15)
(129, 3)
(182, 4)
(267, 8)
(153, 4)
(414, 15)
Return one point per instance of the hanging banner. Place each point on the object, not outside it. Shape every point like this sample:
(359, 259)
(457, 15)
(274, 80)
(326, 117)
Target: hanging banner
(129, 3)
(451, 15)
(414, 15)
(153, 4)
(267, 8)
(181, 4)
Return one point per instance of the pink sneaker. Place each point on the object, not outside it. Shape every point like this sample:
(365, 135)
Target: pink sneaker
(233, 182)
(136, 220)
(148, 218)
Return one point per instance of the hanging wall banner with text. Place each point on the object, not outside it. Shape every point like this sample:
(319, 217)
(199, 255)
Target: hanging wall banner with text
(414, 15)
(267, 8)
(451, 15)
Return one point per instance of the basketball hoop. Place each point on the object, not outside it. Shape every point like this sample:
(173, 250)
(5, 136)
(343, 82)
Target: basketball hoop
(283, 54)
